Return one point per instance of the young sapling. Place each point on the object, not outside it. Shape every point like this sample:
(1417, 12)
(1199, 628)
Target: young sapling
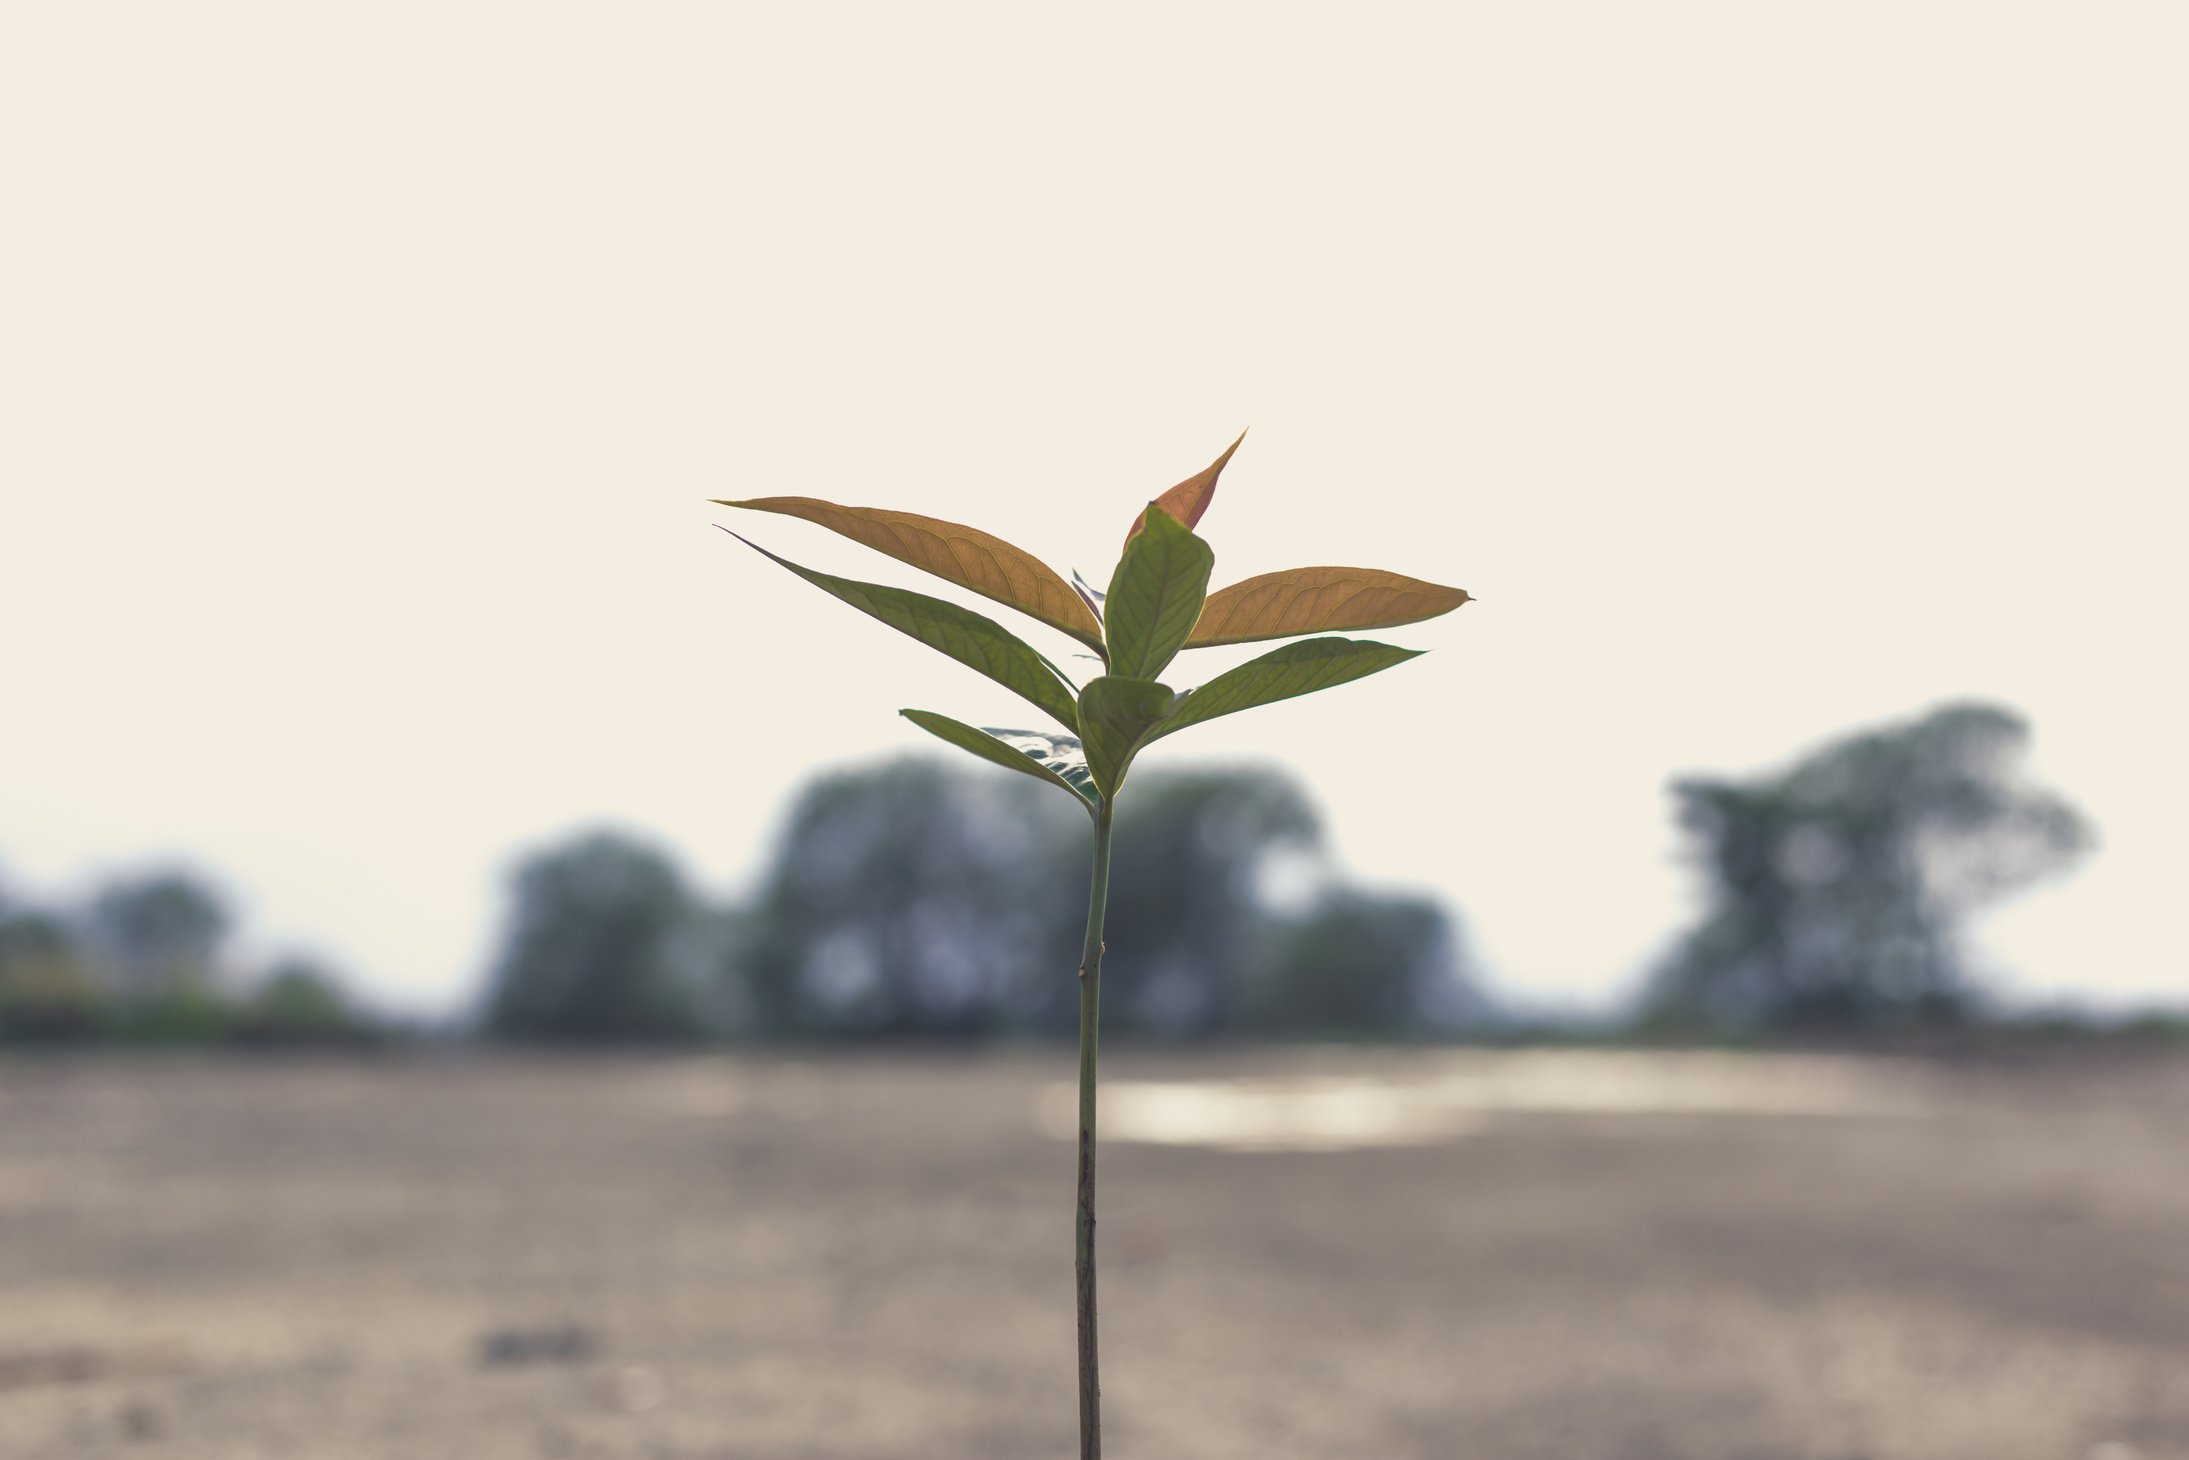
(1156, 606)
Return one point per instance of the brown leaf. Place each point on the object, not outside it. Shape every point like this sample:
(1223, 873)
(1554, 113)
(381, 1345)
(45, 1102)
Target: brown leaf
(964, 555)
(1190, 498)
(1317, 600)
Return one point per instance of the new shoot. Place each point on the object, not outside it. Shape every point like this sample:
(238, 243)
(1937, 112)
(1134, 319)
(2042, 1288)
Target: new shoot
(1157, 605)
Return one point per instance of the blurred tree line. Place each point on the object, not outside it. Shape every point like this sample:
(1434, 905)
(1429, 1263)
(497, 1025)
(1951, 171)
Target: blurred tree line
(142, 961)
(915, 900)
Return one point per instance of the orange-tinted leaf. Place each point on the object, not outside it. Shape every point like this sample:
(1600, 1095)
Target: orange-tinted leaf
(1190, 498)
(1317, 600)
(964, 555)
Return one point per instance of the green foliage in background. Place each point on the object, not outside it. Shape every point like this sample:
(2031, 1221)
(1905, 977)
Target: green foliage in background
(158, 933)
(1366, 967)
(600, 948)
(909, 900)
(49, 993)
(298, 1003)
(144, 963)
(1838, 889)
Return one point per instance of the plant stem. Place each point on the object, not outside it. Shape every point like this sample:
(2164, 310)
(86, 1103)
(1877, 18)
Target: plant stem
(1090, 1018)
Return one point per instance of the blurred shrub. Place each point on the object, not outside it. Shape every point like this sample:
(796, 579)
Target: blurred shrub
(298, 1004)
(47, 993)
(187, 1014)
(140, 967)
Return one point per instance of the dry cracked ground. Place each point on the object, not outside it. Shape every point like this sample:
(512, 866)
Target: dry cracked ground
(1343, 1255)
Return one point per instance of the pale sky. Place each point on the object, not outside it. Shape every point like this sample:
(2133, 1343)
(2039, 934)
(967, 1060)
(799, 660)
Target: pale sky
(1766, 370)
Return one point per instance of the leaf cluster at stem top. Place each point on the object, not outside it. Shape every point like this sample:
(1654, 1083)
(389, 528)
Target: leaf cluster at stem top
(1158, 604)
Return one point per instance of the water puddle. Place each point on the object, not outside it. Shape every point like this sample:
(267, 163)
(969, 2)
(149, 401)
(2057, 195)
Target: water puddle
(1426, 1102)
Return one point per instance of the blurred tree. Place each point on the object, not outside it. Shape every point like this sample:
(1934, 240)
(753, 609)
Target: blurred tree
(1837, 888)
(157, 935)
(1188, 921)
(1362, 964)
(910, 899)
(604, 944)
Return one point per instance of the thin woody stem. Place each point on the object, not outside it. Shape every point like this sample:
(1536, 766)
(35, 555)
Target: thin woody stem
(1090, 1016)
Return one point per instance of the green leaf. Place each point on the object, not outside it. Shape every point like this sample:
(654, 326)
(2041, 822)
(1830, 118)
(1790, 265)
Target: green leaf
(1116, 715)
(1061, 754)
(1317, 601)
(1296, 669)
(1155, 596)
(1057, 759)
(963, 555)
(976, 642)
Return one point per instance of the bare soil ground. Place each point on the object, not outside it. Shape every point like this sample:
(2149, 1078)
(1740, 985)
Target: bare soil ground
(1306, 1254)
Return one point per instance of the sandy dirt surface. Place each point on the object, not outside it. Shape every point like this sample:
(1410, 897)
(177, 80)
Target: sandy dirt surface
(1342, 1255)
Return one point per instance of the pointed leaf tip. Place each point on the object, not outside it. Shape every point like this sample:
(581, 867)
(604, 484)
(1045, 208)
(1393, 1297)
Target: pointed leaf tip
(1191, 497)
